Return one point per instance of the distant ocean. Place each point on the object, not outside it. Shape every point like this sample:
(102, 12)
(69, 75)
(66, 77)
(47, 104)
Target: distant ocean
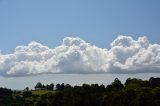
(19, 83)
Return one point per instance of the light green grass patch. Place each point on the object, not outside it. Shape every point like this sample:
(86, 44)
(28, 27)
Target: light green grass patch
(41, 92)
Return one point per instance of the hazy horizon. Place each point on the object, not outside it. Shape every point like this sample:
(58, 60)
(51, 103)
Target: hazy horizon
(20, 83)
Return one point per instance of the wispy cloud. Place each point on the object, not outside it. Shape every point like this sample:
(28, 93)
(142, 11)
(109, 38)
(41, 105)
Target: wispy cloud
(74, 55)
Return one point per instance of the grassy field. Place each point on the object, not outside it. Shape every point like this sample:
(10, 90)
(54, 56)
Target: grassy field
(41, 92)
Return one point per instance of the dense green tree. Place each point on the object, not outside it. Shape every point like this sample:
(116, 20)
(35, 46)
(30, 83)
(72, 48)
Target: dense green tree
(51, 86)
(117, 85)
(38, 85)
(156, 96)
(154, 82)
(136, 83)
(60, 86)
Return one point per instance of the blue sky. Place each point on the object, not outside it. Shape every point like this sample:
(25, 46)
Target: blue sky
(96, 21)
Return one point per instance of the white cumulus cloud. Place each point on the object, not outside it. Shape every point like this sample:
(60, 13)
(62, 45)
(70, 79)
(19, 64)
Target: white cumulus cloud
(75, 55)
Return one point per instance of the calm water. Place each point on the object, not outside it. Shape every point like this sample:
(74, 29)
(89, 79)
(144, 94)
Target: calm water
(73, 79)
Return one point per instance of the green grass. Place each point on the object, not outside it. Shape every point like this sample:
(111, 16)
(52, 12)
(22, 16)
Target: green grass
(41, 92)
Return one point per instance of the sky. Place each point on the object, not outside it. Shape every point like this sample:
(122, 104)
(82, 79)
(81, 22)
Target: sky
(43, 37)
(96, 21)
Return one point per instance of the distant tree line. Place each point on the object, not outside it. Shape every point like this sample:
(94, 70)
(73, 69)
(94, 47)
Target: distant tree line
(134, 92)
(39, 85)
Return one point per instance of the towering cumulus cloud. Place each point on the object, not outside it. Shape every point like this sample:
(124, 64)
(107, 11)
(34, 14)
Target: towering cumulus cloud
(74, 55)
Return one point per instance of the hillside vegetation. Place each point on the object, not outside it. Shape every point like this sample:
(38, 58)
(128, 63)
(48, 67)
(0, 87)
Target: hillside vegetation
(134, 92)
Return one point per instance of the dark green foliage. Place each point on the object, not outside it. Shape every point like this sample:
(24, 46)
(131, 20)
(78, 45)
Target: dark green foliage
(27, 92)
(5, 96)
(39, 85)
(117, 85)
(50, 87)
(154, 82)
(5, 91)
(136, 83)
(60, 86)
(135, 92)
(42, 86)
